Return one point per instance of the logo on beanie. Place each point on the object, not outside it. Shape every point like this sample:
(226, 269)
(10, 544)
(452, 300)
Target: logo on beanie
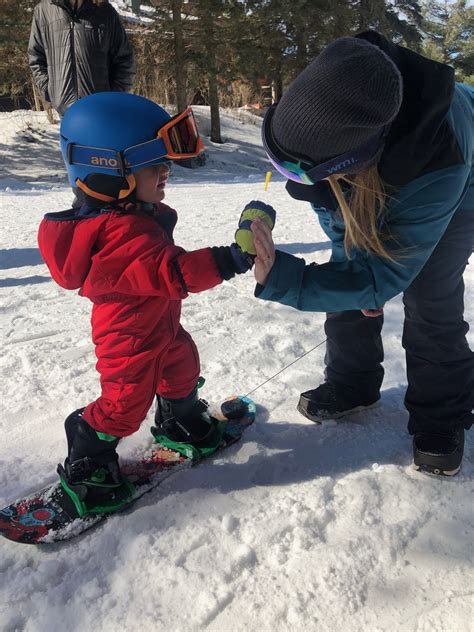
(341, 165)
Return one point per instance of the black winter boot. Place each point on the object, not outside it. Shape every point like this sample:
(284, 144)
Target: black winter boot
(327, 401)
(185, 420)
(439, 453)
(91, 473)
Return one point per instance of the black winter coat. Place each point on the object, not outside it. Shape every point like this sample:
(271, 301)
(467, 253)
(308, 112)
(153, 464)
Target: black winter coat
(72, 54)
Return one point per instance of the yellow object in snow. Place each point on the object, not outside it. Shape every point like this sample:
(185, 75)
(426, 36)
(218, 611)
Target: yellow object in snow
(267, 180)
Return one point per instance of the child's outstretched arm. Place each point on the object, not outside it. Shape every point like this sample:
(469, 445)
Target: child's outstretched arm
(132, 255)
(196, 273)
(241, 255)
(142, 260)
(203, 269)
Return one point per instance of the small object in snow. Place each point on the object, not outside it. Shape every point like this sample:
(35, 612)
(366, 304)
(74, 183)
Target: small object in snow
(267, 180)
(234, 408)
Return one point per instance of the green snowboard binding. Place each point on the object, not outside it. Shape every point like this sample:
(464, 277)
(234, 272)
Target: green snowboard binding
(97, 494)
(185, 426)
(91, 475)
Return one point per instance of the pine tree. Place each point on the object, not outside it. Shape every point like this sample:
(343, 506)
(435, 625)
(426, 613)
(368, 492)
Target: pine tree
(399, 20)
(15, 24)
(213, 41)
(179, 55)
(449, 35)
(460, 40)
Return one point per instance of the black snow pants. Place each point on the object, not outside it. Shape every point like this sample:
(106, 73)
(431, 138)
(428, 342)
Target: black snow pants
(440, 364)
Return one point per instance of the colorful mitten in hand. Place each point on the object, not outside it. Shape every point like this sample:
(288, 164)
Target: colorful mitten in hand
(252, 210)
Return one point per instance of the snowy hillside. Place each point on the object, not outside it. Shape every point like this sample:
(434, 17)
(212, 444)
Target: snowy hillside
(124, 9)
(300, 527)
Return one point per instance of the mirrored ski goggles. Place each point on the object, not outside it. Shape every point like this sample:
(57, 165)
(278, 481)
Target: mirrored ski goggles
(177, 140)
(302, 170)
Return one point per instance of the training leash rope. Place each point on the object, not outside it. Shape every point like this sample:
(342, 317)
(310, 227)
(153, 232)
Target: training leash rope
(286, 367)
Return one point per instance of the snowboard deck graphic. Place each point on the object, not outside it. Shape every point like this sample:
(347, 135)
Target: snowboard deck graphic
(50, 515)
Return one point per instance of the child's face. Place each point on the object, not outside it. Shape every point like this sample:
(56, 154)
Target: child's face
(151, 182)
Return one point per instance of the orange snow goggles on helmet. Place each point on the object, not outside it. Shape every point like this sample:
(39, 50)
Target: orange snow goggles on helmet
(178, 139)
(181, 137)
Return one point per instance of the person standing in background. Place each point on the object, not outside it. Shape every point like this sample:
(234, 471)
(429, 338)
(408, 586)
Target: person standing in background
(76, 48)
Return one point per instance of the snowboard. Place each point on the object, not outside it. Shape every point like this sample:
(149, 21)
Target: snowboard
(49, 515)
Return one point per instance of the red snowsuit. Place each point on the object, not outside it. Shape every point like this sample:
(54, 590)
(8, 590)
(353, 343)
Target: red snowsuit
(128, 266)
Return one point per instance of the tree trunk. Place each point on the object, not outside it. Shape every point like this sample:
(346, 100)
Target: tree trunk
(49, 113)
(301, 52)
(41, 104)
(36, 97)
(214, 105)
(179, 61)
(211, 62)
(364, 13)
(277, 86)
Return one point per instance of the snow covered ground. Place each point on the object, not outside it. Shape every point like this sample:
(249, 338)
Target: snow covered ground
(300, 527)
(124, 9)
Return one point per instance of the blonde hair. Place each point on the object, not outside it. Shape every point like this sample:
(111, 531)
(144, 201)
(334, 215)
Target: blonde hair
(363, 213)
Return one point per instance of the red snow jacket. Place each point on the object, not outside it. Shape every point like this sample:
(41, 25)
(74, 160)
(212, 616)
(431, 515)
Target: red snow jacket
(128, 266)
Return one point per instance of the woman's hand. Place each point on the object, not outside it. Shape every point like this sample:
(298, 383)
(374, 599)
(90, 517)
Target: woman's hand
(265, 250)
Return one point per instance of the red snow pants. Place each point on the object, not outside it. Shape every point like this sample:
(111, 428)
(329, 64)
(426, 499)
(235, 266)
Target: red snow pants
(129, 391)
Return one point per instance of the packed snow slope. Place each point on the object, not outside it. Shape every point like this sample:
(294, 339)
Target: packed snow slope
(301, 526)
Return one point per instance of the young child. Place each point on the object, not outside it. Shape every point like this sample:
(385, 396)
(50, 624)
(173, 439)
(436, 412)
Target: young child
(118, 249)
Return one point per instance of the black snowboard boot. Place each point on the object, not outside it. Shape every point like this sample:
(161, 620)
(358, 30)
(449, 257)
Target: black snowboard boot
(331, 402)
(440, 453)
(91, 474)
(186, 421)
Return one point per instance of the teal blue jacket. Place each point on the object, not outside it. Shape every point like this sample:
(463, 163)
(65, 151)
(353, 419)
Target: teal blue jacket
(417, 214)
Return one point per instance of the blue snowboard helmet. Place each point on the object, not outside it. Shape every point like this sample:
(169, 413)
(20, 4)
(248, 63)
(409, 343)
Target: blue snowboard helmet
(117, 134)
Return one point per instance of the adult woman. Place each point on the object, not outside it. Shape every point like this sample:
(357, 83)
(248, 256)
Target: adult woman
(379, 140)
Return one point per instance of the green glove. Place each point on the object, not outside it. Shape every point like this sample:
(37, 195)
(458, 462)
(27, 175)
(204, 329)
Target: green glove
(252, 210)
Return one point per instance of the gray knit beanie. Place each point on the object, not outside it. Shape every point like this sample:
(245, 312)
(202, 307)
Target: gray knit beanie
(344, 98)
